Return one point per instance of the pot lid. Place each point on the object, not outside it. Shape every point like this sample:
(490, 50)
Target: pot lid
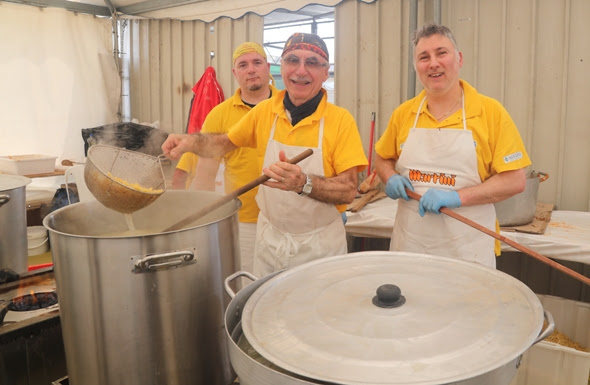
(9, 182)
(450, 320)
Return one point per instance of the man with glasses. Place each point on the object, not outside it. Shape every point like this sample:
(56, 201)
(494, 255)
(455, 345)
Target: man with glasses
(300, 205)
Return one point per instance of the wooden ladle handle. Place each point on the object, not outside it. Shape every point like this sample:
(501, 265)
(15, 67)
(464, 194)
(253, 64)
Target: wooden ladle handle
(234, 194)
(508, 241)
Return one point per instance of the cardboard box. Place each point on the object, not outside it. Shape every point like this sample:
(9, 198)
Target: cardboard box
(27, 164)
(548, 363)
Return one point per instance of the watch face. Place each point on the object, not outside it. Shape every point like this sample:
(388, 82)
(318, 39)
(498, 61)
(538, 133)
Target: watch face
(307, 186)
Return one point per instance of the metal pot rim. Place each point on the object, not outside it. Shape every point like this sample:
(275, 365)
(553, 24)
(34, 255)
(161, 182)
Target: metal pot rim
(10, 182)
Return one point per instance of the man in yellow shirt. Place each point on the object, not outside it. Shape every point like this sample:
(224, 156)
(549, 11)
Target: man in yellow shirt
(252, 72)
(300, 205)
(458, 148)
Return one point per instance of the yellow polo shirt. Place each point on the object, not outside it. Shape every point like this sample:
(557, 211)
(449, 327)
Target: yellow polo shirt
(241, 163)
(342, 146)
(498, 144)
(188, 162)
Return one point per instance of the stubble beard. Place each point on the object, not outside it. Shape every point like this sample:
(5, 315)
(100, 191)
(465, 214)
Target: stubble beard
(255, 87)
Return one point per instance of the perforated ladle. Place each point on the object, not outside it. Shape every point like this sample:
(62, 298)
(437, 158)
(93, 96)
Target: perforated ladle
(123, 180)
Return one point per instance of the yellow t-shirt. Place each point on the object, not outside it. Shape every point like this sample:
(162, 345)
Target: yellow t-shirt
(341, 146)
(188, 162)
(499, 146)
(241, 163)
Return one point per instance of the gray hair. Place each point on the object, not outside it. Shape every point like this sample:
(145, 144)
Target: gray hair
(428, 30)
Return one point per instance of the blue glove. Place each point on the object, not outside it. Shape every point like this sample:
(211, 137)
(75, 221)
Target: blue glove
(396, 185)
(434, 199)
(344, 217)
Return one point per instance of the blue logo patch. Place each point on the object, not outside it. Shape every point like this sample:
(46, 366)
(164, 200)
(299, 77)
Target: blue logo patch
(512, 157)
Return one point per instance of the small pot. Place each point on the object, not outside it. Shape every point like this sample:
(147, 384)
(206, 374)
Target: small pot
(13, 222)
(520, 209)
(330, 321)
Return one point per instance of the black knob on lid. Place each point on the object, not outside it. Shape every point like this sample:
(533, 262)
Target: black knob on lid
(389, 296)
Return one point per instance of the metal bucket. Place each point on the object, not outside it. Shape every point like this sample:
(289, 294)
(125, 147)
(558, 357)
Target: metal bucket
(520, 209)
(13, 223)
(144, 309)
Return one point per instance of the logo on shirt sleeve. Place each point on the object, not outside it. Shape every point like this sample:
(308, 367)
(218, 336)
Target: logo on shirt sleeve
(513, 157)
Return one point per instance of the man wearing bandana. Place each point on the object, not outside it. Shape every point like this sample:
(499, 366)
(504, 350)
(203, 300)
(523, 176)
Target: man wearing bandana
(300, 205)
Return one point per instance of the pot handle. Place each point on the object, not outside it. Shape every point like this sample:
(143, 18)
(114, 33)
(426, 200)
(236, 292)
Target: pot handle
(543, 176)
(40, 244)
(166, 260)
(235, 275)
(548, 330)
(4, 199)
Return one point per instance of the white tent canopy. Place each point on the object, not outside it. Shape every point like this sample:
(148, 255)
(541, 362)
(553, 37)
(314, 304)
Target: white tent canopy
(204, 10)
(58, 75)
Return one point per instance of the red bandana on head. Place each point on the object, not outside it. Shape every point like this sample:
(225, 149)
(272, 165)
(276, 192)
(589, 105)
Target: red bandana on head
(308, 42)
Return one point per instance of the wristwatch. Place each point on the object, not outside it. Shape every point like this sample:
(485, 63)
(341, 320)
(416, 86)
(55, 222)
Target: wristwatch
(307, 186)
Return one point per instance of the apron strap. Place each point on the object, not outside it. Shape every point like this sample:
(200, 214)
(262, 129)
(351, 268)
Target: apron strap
(462, 110)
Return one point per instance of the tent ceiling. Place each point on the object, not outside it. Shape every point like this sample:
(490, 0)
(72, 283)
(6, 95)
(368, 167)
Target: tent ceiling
(104, 7)
(205, 10)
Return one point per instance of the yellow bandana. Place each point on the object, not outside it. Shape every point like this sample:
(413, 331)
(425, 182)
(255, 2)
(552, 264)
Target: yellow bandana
(248, 47)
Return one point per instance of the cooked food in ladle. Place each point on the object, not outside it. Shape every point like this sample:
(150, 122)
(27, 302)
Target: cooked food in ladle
(135, 186)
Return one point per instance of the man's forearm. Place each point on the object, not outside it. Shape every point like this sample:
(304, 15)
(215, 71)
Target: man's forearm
(337, 190)
(205, 145)
(211, 146)
(497, 188)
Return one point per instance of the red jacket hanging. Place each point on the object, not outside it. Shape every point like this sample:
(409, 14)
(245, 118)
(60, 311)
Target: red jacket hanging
(207, 94)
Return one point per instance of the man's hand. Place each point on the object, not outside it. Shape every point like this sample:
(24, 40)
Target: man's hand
(434, 199)
(176, 145)
(396, 186)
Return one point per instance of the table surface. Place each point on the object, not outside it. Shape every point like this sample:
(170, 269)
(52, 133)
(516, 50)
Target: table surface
(567, 236)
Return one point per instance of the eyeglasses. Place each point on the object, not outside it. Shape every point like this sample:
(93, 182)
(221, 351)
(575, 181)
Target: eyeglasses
(310, 62)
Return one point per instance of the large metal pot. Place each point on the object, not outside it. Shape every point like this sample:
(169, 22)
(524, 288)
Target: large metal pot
(13, 223)
(145, 309)
(332, 321)
(520, 209)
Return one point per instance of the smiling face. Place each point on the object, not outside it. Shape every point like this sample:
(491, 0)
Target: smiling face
(303, 73)
(437, 63)
(252, 71)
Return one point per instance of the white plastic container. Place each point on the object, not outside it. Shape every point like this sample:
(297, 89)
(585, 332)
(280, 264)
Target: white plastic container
(38, 240)
(548, 363)
(27, 164)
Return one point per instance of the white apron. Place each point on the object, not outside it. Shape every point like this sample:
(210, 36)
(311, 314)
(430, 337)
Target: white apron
(294, 229)
(444, 159)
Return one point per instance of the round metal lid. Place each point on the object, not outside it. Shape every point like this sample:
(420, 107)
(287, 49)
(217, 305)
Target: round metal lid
(459, 319)
(9, 182)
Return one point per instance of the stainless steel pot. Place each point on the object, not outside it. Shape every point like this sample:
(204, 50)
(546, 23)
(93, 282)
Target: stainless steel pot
(13, 223)
(520, 209)
(317, 323)
(144, 309)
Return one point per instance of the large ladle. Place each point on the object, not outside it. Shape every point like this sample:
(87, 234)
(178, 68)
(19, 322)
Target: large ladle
(508, 241)
(231, 196)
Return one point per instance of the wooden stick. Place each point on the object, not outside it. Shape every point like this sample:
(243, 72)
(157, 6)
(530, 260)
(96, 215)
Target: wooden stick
(362, 202)
(231, 196)
(508, 241)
